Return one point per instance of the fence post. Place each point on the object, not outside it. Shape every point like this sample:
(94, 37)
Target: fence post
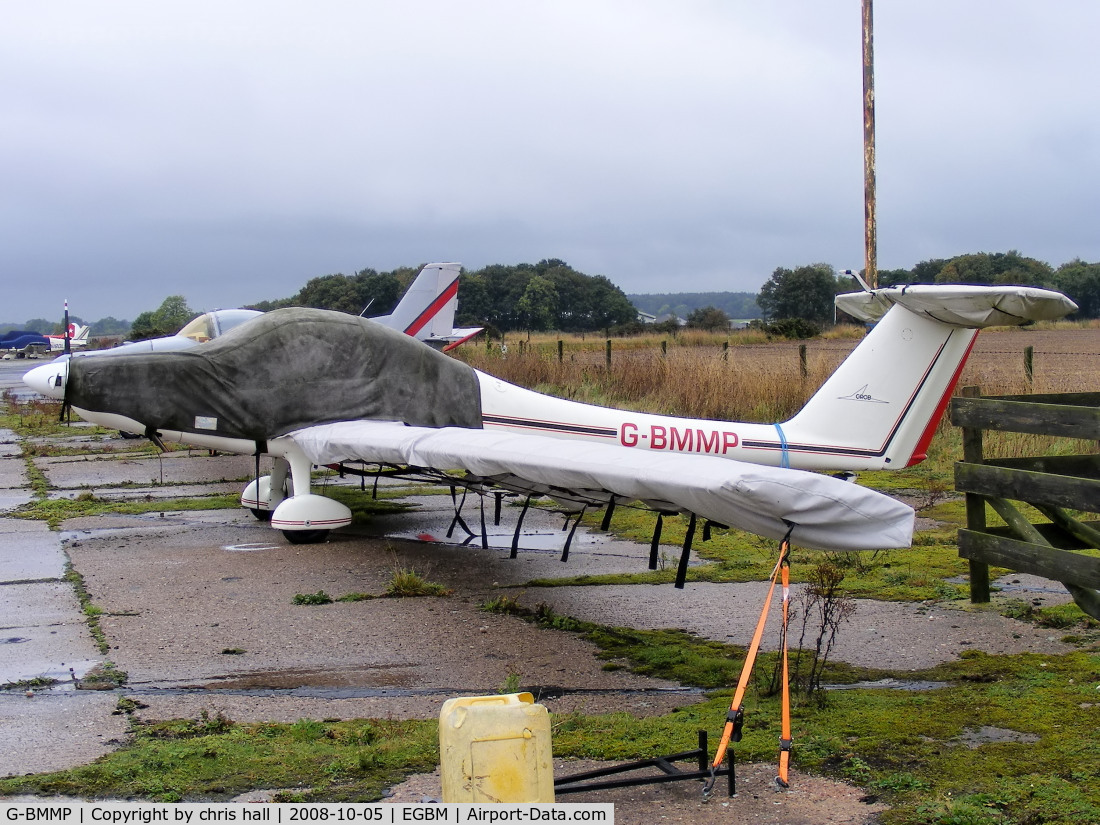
(608, 356)
(1029, 366)
(725, 350)
(561, 351)
(802, 368)
(975, 505)
(664, 347)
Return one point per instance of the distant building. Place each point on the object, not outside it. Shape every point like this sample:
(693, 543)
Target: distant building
(646, 318)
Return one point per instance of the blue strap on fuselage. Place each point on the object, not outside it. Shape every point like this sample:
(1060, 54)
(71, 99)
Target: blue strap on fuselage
(785, 461)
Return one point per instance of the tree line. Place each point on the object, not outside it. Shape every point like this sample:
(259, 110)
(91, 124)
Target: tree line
(807, 292)
(543, 296)
(551, 295)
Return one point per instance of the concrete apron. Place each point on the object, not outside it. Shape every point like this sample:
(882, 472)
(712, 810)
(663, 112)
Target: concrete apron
(43, 636)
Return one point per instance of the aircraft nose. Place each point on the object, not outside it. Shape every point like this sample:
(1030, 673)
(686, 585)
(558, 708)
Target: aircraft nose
(49, 379)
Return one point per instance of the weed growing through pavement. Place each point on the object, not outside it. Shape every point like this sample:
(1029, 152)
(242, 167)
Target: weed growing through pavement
(406, 582)
(320, 597)
(511, 683)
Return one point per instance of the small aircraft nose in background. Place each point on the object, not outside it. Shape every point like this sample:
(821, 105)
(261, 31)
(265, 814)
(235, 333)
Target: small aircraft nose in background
(49, 379)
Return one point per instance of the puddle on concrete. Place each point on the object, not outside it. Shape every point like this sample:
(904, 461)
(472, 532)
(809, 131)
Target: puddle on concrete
(891, 684)
(64, 675)
(144, 523)
(168, 492)
(375, 677)
(1016, 586)
(313, 692)
(495, 539)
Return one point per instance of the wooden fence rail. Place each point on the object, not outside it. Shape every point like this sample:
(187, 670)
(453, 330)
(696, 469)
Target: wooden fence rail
(1054, 485)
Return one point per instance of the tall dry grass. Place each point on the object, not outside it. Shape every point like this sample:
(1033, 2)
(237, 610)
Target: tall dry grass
(696, 378)
(742, 376)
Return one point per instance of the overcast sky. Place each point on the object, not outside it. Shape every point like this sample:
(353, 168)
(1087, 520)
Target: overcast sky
(230, 151)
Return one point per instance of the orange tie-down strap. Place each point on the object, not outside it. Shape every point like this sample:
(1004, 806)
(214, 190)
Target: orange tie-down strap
(736, 716)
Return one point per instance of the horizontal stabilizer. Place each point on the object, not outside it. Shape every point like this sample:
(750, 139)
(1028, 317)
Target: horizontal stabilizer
(827, 513)
(961, 305)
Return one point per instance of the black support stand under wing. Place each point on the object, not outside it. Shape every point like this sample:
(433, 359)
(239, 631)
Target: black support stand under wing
(581, 782)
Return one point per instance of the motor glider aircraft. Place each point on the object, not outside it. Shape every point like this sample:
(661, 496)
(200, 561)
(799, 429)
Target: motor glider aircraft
(313, 387)
(426, 311)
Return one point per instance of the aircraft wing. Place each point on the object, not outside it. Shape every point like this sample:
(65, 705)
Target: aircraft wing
(827, 513)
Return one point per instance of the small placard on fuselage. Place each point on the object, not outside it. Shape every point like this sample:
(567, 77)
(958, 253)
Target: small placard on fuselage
(205, 422)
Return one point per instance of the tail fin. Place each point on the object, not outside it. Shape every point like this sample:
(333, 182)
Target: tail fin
(78, 333)
(427, 309)
(881, 407)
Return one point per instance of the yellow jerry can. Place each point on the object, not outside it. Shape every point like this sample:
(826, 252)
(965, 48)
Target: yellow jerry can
(495, 749)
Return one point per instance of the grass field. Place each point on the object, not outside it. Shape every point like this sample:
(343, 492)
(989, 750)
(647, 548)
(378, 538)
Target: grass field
(743, 376)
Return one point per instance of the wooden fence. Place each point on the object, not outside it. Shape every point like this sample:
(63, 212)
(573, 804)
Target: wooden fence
(1053, 485)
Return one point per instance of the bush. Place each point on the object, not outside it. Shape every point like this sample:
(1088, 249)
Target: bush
(796, 328)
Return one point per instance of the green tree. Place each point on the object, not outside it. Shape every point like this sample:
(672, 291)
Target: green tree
(507, 297)
(927, 272)
(806, 292)
(379, 292)
(167, 319)
(605, 305)
(995, 268)
(337, 292)
(39, 325)
(709, 318)
(1081, 282)
(475, 306)
(109, 326)
(538, 306)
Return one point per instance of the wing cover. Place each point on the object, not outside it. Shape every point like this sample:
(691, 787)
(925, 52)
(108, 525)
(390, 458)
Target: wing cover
(961, 305)
(283, 370)
(828, 514)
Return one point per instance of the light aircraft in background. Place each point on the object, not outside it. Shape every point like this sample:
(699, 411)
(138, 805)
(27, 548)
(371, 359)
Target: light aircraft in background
(426, 311)
(78, 338)
(311, 387)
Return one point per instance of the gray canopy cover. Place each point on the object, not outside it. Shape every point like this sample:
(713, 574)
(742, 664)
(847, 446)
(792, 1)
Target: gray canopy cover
(248, 383)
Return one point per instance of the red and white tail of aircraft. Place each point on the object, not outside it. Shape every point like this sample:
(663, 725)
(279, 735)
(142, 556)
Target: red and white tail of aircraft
(427, 309)
(78, 338)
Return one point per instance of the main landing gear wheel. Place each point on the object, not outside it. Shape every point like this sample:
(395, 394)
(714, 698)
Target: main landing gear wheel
(261, 515)
(305, 536)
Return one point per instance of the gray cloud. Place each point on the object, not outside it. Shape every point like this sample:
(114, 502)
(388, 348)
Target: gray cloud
(229, 152)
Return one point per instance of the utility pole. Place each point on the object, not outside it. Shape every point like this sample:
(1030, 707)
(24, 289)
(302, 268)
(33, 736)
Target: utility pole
(870, 230)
